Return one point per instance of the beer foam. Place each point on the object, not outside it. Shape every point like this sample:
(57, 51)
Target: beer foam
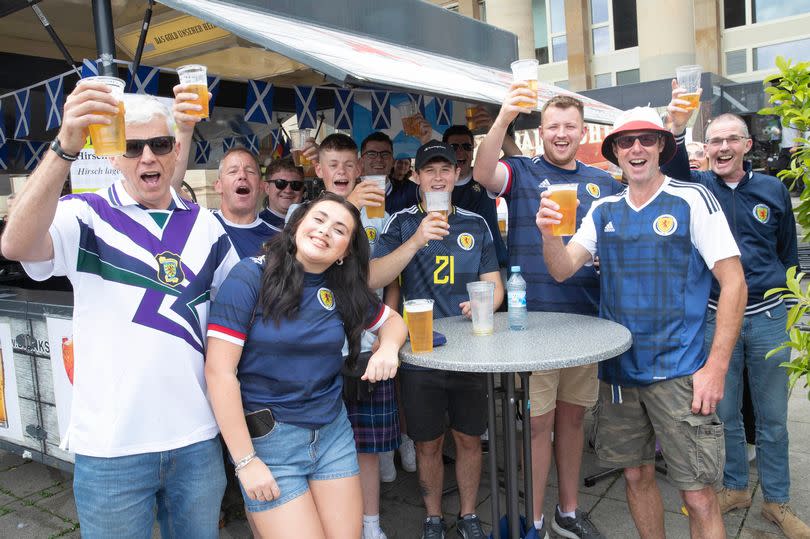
(419, 305)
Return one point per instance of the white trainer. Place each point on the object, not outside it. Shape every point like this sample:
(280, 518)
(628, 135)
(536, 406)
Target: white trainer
(388, 473)
(407, 453)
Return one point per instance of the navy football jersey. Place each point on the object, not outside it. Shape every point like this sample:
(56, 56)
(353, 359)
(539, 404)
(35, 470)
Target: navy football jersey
(272, 218)
(526, 179)
(247, 240)
(655, 262)
(442, 269)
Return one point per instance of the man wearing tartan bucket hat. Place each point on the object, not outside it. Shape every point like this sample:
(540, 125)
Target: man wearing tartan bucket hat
(660, 242)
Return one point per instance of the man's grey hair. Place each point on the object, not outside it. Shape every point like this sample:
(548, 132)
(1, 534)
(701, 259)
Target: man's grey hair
(142, 109)
(729, 117)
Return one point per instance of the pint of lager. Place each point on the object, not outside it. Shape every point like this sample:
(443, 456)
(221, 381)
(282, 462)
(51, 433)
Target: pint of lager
(689, 79)
(110, 139)
(376, 212)
(526, 71)
(419, 313)
(439, 202)
(565, 195)
(196, 76)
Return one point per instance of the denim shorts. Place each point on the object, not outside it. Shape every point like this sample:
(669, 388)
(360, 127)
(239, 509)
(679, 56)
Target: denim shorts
(296, 456)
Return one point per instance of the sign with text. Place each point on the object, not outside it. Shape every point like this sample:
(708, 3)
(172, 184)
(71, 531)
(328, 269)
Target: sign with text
(10, 420)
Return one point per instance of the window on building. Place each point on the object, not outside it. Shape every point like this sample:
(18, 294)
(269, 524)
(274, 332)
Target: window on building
(765, 57)
(557, 10)
(625, 26)
(599, 11)
(630, 76)
(733, 13)
(482, 10)
(601, 39)
(559, 48)
(603, 80)
(768, 10)
(550, 42)
(562, 84)
(736, 62)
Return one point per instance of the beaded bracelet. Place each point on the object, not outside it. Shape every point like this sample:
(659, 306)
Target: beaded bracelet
(244, 462)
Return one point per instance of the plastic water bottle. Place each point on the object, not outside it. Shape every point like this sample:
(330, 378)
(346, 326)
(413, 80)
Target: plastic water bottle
(516, 300)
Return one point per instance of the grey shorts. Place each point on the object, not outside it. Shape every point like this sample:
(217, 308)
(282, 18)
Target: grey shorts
(692, 445)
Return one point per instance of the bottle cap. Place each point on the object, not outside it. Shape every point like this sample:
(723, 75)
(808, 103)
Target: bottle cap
(515, 269)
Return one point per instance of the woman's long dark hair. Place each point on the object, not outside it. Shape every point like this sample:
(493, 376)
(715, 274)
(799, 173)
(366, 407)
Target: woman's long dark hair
(283, 276)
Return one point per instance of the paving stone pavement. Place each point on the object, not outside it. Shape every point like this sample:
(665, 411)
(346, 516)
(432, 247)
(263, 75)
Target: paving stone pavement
(37, 501)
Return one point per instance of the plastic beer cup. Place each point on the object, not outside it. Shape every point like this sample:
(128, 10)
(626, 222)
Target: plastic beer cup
(565, 194)
(526, 71)
(482, 300)
(439, 202)
(410, 121)
(110, 139)
(298, 138)
(196, 77)
(419, 313)
(469, 114)
(689, 79)
(376, 212)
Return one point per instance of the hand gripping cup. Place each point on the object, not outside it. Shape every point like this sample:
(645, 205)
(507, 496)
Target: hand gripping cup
(526, 71)
(439, 202)
(689, 79)
(298, 139)
(565, 194)
(110, 139)
(419, 313)
(376, 212)
(482, 300)
(196, 77)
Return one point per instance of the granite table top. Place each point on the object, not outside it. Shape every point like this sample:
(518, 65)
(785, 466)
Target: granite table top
(550, 341)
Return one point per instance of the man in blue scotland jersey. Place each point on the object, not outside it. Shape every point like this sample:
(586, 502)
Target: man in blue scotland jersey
(144, 264)
(560, 397)
(659, 243)
(760, 214)
(436, 259)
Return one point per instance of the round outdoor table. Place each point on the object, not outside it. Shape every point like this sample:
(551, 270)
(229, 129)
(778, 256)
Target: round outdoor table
(550, 341)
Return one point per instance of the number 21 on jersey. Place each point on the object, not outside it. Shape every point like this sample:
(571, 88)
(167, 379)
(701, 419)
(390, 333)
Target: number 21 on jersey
(445, 272)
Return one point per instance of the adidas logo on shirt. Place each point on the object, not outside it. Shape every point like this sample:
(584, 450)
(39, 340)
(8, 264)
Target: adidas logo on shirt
(544, 183)
(609, 227)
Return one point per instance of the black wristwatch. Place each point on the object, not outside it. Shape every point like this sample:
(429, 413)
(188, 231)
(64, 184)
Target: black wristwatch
(56, 148)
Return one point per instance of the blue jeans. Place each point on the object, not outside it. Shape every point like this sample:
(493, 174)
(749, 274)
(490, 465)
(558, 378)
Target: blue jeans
(116, 497)
(768, 382)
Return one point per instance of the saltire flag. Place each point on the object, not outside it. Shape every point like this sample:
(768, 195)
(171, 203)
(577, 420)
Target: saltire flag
(279, 143)
(22, 100)
(213, 87)
(89, 68)
(32, 153)
(380, 110)
(202, 152)
(3, 156)
(259, 102)
(228, 143)
(146, 80)
(305, 107)
(252, 144)
(2, 124)
(344, 108)
(419, 99)
(444, 111)
(55, 101)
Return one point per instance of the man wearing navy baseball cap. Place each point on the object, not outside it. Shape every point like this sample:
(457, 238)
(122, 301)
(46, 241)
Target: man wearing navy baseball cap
(438, 249)
(659, 242)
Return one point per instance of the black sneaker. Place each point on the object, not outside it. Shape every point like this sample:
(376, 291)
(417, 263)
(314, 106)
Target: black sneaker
(433, 528)
(469, 527)
(578, 527)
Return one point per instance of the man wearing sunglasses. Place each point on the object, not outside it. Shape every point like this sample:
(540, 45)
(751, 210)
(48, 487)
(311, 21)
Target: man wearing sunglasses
(760, 214)
(559, 397)
(697, 156)
(284, 187)
(143, 264)
(659, 242)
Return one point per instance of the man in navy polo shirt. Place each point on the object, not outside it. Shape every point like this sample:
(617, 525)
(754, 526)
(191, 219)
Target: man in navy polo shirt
(437, 259)
(559, 398)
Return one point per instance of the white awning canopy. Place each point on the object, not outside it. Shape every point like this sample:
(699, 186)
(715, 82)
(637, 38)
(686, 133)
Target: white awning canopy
(359, 60)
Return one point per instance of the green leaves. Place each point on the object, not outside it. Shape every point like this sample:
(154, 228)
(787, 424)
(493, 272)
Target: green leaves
(799, 367)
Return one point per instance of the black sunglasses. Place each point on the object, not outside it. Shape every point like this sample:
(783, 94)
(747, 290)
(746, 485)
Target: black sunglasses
(466, 146)
(158, 145)
(626, 142)
(281, 185)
